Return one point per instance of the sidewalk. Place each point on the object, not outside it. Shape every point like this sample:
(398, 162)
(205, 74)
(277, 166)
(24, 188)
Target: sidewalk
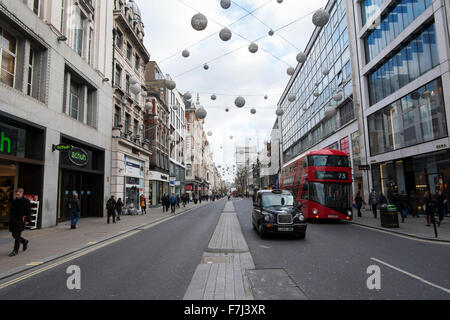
(415, 227)
(52, 243)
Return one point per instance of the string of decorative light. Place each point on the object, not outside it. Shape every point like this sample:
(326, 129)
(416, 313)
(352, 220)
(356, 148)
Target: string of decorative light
(241, 36)
(236, 49)
(270, 29)
(212, 34)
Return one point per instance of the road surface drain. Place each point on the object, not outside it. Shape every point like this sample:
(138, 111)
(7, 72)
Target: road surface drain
(218, 259)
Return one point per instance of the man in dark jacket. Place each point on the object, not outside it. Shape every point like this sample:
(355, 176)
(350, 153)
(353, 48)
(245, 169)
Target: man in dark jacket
(75, 211)
(111, 207)
(359, 201)
(19, 217)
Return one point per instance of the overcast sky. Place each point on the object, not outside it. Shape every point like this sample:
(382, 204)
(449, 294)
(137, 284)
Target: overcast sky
(168, 32)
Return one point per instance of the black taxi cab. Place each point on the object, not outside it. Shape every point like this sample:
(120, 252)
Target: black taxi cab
(275, 211)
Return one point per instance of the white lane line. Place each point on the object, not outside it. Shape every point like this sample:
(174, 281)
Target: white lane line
(412, 275)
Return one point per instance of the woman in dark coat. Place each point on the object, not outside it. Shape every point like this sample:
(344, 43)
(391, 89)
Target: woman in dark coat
(119, 206)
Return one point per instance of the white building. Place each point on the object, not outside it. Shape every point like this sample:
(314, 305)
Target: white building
(130, 150)
(55, 89)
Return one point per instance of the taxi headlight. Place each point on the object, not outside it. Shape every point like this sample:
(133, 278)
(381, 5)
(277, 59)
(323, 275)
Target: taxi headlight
(268, 217)
(349, 213)
(302, 218)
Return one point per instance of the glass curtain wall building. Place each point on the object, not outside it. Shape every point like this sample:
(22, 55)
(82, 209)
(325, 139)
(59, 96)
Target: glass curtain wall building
(315, 120)
(403, 67)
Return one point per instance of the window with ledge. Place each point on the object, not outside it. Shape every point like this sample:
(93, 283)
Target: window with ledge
(36, 7)
(8, 50)
(78, 31)
(117, 113)
(119, 38)
(118, 76)
(128, 51)
(80, 98)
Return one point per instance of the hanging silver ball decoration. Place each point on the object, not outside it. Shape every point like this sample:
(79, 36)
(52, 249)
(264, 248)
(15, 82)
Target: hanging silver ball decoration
(231, 137)
(199, 22)
(239, 102)
(279, 112)
(337, 97)
(144, 94)
(320, 18)
(133, 80)
(316, 94)
(253, 47)
(292, 98)
(290, 71)
(185, 53)
(148, 106)
(271, 32)
(279, 1)
(301, 57)
(201, 113)
(135, 88)
(210, 133)
(325, 72)
(170, 84)
(253, 111)
(317, 84)
(213, 97)
(187, 96)
(225, 34)
(266, 97)
(206, 67)
(225, 4)
(330, 111)
(227, 110)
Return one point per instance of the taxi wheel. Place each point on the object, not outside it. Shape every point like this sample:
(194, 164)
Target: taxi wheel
(301, 235)
(262, 234)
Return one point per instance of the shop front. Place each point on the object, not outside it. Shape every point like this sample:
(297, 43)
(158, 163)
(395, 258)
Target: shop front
(159, 186)
(81, 172)
(134, 182)
(21, 164)
(414, 175)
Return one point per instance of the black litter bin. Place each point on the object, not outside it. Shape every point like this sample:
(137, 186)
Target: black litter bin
(389, 216)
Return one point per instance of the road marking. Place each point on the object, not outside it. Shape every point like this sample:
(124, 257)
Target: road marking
(34, 263)
(402, 235)
(92, 242)
(412, 275)
(51, 266)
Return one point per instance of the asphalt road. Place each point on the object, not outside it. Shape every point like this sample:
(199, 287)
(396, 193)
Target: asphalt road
(154, 264)
(332, 262)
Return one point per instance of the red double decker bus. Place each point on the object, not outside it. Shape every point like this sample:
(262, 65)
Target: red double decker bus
(322, 182)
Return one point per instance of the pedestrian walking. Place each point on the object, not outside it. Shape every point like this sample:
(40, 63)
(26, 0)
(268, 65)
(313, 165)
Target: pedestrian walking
(178, 200)
(20, 214)
(403, 203)
(429, 206)
(143, 205)
(359, 201)
(373, 201)
(119, 206)
(173, 203)
(111, 205)
(413, 204)
(75, 211)
(441, 201)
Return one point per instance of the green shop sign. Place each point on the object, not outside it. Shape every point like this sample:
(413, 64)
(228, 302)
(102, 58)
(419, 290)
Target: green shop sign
(62, 147)
(78, 157)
